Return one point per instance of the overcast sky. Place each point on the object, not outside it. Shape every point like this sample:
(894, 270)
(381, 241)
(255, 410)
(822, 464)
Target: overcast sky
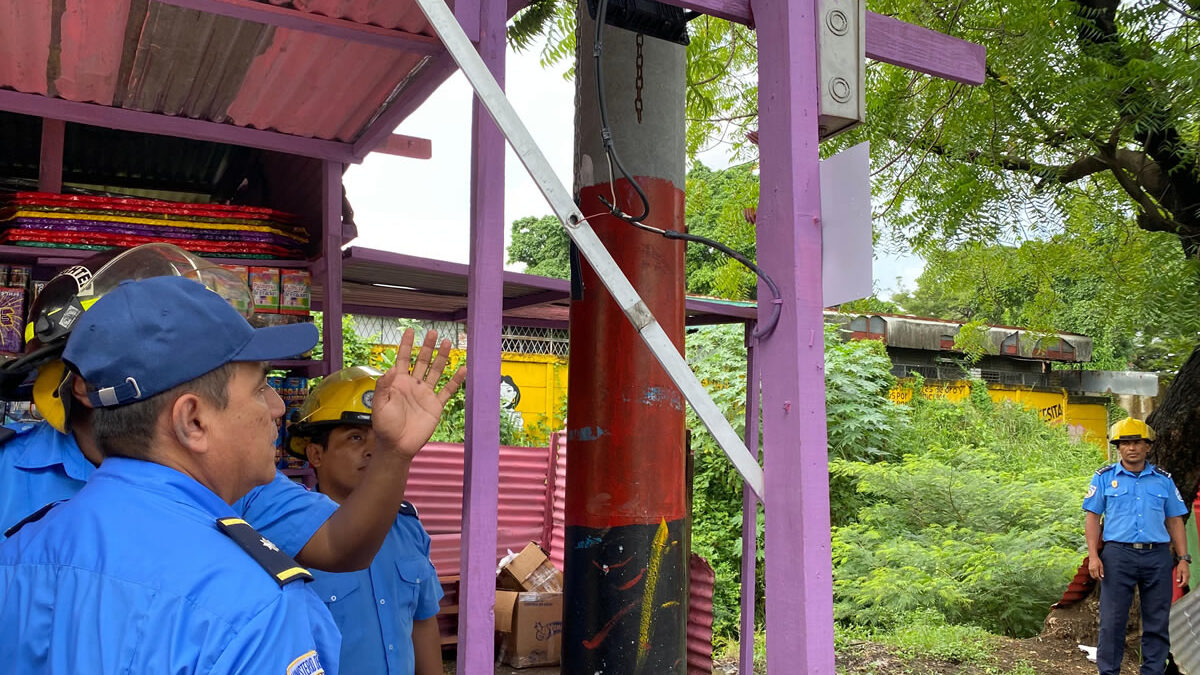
(422, 207)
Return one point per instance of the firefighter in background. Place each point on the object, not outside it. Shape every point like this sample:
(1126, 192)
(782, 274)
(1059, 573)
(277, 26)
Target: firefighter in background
(388, 612)
(1140, 543)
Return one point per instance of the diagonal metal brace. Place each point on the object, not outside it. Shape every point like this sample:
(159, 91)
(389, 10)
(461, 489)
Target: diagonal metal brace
(463, 52)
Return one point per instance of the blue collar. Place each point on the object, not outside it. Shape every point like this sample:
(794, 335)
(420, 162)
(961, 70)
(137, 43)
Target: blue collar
(1121, 469)
(46, 447)
(162, 480)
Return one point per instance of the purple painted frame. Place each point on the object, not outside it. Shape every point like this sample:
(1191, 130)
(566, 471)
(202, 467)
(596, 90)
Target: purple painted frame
(750, 509)
(331, 256)
(888, 39)
(166, 125)
(50, 166)
(481, 480)
(799, 583)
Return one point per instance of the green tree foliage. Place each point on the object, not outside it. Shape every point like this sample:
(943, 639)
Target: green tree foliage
(543, 245)
(861, 423)
(715, 206)
(978, 523)
(945, 514)
(716, 202)
(1130, 290)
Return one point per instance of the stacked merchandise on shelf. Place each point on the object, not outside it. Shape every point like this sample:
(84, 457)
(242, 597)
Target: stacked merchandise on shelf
(17, 292)
(293, 390)
(89, 222)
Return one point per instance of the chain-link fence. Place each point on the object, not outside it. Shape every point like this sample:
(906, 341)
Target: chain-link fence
(518, 339)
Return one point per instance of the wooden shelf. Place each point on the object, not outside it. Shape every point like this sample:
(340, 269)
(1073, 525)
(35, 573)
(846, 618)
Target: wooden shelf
(40, 255)
(309, 367)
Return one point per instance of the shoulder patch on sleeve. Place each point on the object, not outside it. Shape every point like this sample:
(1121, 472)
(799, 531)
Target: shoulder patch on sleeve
(278, 564)
(31, 518)
(407, 509)
(306, 664)
(1161, 472)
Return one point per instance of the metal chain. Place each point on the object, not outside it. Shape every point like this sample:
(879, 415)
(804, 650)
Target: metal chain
(638, 81)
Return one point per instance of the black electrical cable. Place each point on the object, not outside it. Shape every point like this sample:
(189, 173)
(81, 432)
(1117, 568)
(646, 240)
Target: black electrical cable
(611, 152)
(605, 132)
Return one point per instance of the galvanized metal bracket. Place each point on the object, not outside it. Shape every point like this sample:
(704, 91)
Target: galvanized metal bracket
(492, 96)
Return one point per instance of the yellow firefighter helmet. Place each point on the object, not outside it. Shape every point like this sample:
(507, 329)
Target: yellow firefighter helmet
(1130, 429)
(346, 397)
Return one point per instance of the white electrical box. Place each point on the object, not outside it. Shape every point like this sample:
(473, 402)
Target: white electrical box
(842, 58)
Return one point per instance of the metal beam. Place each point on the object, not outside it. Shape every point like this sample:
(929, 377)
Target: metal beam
(338, 29)
(492, 96)
(167, 125)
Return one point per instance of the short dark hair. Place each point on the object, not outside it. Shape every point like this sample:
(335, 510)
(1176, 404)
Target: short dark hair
(128, 430)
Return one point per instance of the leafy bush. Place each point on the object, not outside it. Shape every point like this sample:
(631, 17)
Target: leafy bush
(979, 521)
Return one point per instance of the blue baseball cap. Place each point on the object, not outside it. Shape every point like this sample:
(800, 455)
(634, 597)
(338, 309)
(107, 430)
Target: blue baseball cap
(147, 336)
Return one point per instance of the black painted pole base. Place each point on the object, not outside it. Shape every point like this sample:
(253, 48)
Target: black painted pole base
(625, 600)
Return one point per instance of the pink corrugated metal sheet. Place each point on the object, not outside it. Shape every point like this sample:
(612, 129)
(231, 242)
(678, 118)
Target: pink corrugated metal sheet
(435, 486)
(558, 501)
(160, 58)
(24, 44)
(91, 45)
(700, 616)
(386, 13)
(342, 87)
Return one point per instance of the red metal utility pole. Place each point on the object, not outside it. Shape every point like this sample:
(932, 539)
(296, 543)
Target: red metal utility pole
(626, 513)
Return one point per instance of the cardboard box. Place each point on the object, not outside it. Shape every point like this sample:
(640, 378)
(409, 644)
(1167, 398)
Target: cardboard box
(530, 624)
(531, 570)
(295, 292)
(264, 289)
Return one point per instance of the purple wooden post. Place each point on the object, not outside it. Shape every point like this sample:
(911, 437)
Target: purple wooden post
(476, 628)
(799, 617)
(749, 510)
(51, 165)
(331, 254)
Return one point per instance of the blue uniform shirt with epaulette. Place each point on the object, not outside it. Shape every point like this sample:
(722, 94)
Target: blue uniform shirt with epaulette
(375, 608)
(1135, 506)
(134, 575)
(39, 465)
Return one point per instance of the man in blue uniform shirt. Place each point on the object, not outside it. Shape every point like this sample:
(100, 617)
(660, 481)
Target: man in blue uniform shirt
(388, 612)
(40, 463)
(1142, 524)
(149, 556)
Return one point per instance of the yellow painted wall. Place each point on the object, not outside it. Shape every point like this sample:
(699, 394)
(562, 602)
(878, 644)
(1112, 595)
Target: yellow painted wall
(541, 380)
(1087, 421)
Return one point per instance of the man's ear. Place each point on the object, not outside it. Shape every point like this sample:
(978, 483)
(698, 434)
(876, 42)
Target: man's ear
(316, 455)
(79, 390)
(189, 423)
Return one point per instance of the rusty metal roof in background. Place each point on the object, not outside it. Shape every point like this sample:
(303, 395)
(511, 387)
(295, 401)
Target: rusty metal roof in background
(155, 57)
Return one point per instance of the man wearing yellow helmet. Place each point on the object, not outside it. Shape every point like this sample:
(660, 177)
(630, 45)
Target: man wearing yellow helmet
(388, 612)
(41, 464)
(1134, 520)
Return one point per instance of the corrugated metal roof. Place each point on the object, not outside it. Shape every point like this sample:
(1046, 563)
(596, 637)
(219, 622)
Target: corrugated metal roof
(700, 616)
(435, 486)
(156, 57)
(558, 513)
(1185, 633)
